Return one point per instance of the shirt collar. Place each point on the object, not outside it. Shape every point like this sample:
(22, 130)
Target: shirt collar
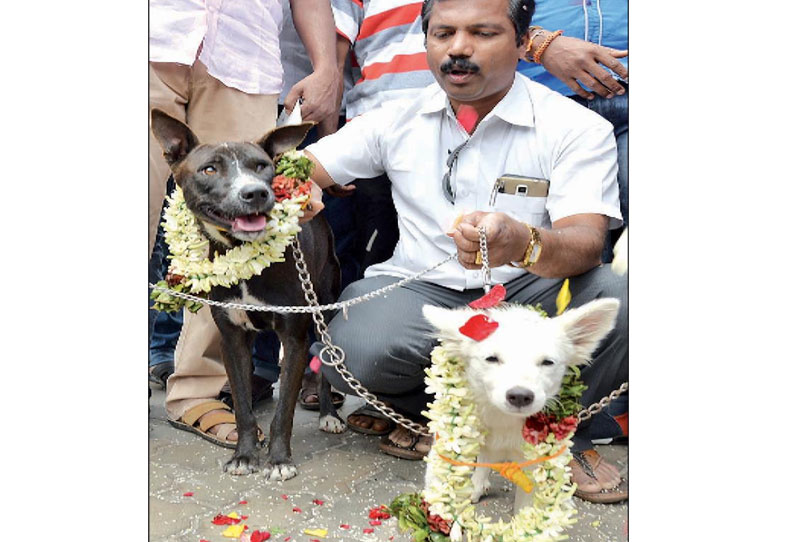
(515, 107)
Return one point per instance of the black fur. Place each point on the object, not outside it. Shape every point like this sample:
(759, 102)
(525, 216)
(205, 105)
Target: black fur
(207, 195)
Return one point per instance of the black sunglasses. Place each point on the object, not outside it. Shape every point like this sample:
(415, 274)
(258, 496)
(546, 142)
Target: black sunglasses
(446, 181)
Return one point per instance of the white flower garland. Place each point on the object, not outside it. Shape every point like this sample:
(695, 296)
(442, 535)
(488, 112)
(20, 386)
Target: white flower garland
(453, 418)
(190, 248)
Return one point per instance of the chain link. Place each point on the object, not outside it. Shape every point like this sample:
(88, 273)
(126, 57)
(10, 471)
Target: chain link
(337, 355)
(486, 266)
(595, 408)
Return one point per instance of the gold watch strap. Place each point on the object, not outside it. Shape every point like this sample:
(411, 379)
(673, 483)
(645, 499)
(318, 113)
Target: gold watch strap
(532, 253)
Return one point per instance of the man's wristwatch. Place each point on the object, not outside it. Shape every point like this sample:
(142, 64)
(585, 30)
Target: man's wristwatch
(532, 254)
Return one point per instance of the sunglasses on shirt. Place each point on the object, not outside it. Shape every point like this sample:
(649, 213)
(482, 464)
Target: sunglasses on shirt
(446, 181)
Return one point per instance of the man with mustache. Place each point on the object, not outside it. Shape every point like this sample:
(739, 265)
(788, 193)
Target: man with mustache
(443, 151)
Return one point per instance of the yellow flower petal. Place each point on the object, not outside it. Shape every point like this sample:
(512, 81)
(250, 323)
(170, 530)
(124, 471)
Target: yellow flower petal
(233, 531)
(563, 298)
(316, 532)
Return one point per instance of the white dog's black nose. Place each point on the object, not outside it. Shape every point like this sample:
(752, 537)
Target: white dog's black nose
(520, 397)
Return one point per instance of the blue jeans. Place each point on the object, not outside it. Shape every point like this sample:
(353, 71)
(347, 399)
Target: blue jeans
(616, 111)
(164, 327)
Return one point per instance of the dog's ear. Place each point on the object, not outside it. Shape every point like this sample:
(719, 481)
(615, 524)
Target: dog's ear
(587, 325)
(284, 138)
(176, 139)
(447, 321)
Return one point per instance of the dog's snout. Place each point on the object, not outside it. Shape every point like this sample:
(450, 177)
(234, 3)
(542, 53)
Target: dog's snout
(256, 194)
(520, 397)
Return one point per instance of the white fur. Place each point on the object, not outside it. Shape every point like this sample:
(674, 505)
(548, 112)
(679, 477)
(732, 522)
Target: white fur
(238, 316)
(521, 343)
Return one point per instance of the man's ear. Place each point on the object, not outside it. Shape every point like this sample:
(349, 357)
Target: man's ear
(284, 138)
(176, 139)
(587, 325)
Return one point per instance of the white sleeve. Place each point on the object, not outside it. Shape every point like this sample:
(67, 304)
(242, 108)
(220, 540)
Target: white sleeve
(355, 151)
(584, 175)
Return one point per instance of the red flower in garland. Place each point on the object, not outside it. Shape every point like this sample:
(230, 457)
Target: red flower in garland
(434, 521)
(538, 426)
(283, 187)
(287, 187)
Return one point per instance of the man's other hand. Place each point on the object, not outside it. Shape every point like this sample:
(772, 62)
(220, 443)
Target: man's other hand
(314, 206)
(575, 61)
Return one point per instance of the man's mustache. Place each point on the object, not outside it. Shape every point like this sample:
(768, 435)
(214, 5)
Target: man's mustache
(459, 63)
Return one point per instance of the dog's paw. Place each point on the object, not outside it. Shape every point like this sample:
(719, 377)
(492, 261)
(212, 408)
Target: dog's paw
(332, 424)
(480, 490)
(241, 465)
(281, 472)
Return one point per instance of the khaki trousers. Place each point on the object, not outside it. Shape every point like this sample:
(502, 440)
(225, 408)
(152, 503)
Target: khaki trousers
(215, 113)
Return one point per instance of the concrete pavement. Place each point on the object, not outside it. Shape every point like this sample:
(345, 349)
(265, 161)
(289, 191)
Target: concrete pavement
(347, 472)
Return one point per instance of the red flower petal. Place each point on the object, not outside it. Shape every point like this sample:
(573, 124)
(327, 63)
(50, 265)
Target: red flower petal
(344, 526)
(379, 512)
(491, 299)
(284, 497)
(369, 530)
(259, 536)
(221, 519)
(244, 518)
(467, 117)
(374, 522)
(314, 364)
(243, 502)
(479, 327)
(318, 502)
(187, 494)
(296, 509)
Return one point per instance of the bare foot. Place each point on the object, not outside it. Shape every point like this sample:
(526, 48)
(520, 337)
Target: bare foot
(371, 423)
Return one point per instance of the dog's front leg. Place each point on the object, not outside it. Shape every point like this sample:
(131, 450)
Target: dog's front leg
(292, 332)
(236, 344)
(330, 422)
(480, 479)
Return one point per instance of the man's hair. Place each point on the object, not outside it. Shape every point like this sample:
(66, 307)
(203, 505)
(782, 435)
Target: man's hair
(519, 11)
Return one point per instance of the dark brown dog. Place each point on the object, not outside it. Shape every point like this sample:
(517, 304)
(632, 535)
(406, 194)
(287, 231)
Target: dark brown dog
(228, 187)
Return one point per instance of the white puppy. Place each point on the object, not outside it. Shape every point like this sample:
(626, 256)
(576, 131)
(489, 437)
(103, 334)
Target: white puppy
(514, 372)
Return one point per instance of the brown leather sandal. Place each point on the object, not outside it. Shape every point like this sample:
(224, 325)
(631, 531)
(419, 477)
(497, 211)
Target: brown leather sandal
(585, 464)
(388, 446)
(189, 419)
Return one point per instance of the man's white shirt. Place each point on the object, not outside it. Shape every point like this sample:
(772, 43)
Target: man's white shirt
(532, 131)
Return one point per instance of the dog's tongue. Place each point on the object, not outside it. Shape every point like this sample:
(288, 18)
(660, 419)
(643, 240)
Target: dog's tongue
(249, 223)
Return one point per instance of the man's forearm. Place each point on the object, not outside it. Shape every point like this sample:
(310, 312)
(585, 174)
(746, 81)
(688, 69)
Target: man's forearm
(569, 251)
(314, 22)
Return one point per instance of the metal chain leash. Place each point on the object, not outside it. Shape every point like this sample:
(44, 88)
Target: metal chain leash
(337, 355)
(595, 408)
(486, 266)
(295, 309)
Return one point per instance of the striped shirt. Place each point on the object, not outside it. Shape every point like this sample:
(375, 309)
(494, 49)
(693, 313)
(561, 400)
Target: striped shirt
(388, 43)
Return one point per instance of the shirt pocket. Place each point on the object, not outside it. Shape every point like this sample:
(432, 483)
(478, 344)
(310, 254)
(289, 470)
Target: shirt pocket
(529, 209)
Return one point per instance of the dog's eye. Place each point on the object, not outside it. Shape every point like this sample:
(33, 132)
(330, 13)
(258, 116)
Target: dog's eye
(492, 359)
(261, 167)
(547, 362)
(209, 170)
